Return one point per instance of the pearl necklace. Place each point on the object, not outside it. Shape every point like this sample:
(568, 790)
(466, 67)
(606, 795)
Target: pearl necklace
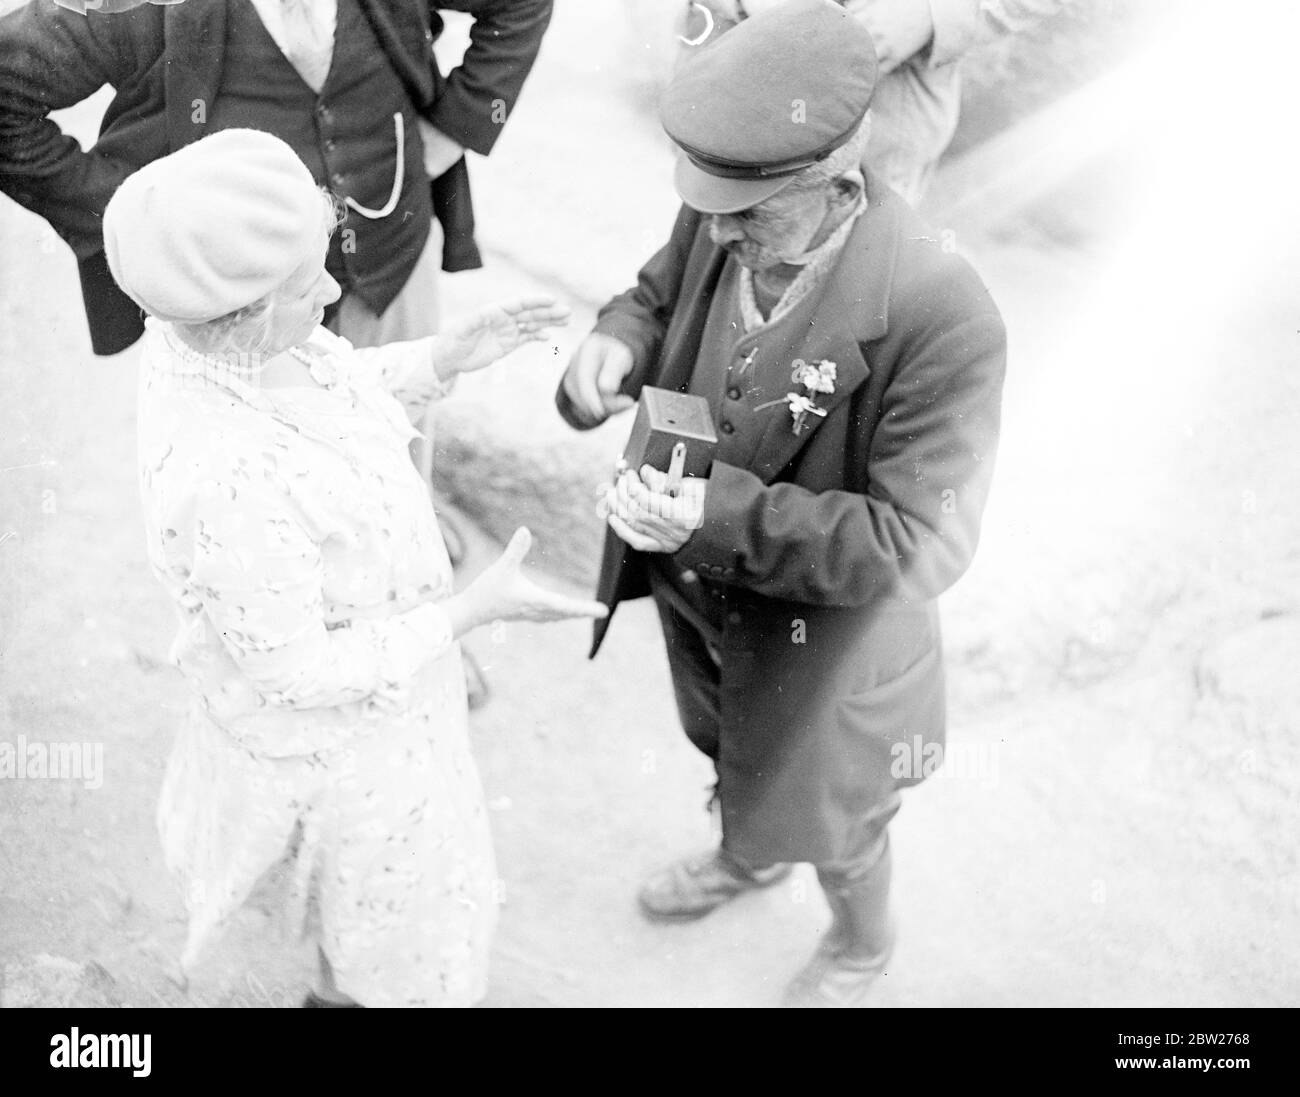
(240, 371)
(220, 365)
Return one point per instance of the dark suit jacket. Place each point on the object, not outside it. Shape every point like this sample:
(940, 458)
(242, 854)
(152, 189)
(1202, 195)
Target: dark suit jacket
(832, 544)
(163, 61)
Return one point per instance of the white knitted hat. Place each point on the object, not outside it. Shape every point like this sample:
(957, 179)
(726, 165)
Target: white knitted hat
(213, 227)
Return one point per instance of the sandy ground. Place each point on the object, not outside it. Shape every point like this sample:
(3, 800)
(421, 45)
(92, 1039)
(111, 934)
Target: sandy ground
(1117, 823)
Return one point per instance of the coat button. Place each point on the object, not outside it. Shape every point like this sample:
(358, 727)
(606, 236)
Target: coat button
(733, 393)
(337, 180)
(325, 114)
(330, 146)
(727, 428)
(690, 576)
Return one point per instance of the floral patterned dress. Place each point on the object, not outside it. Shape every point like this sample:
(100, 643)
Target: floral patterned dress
(329, 726)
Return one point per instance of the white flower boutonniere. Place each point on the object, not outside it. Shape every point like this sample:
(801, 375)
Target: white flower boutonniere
(817, 378)
(800, 408)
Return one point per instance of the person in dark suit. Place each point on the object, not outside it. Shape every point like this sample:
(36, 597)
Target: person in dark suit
(351, 85)
(854, 368)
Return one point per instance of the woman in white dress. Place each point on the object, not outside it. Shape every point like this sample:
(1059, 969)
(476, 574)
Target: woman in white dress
(318, 624)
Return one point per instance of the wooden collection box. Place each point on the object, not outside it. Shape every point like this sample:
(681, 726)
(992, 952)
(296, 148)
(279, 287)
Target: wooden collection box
(663, 419)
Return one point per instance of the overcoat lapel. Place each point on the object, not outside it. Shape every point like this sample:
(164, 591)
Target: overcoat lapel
(852, 310)
(827, 337)
(680, 355)
(194, 45)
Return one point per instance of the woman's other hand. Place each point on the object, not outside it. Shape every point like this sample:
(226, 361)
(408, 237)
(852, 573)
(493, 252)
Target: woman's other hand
(497, 330)
(503, 593)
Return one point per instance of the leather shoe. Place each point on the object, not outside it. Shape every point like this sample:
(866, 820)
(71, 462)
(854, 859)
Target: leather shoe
(694, 886)
(836, 980)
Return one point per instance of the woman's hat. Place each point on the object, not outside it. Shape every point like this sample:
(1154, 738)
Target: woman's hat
(213, 227)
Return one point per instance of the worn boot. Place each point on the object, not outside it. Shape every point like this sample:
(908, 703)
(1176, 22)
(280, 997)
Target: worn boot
(855, 950)
(694, 886)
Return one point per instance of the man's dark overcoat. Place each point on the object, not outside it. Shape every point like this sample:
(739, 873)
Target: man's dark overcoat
(831, 545)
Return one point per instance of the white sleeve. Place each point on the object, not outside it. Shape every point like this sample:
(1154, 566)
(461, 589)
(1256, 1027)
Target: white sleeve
(259, 575)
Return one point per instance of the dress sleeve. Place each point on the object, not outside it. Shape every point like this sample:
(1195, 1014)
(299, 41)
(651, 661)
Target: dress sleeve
(258, 573)
(405, 370)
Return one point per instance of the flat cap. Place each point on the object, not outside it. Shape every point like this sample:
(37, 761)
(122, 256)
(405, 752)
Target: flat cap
(775, 94)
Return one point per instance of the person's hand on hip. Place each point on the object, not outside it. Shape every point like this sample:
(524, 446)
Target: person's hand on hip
(440, 151)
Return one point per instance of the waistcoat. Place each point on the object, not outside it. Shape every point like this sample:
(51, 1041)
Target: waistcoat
(358, 138)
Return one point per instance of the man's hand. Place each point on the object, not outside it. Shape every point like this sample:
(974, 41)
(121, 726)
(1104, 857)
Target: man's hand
(494, 332)
(440, 151)
(901, 28)
(646, 516)
(596, 373)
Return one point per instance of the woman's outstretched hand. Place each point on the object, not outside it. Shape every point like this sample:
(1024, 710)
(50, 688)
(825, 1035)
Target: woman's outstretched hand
(496, 330)
(503, 593)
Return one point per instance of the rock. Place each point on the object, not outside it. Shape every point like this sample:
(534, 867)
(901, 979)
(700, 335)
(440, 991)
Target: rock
(45, 981)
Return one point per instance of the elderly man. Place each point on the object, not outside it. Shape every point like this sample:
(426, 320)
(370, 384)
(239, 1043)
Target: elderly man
(854, 370)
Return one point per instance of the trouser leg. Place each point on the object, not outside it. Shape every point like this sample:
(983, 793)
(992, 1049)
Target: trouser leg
(694, 663)
(857, 886)
(856, 949)
(860, 923)
(412, 314)
(696, 679)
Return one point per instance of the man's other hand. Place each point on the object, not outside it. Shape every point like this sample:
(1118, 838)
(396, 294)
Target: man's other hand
(596, 373)
(646, 516)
